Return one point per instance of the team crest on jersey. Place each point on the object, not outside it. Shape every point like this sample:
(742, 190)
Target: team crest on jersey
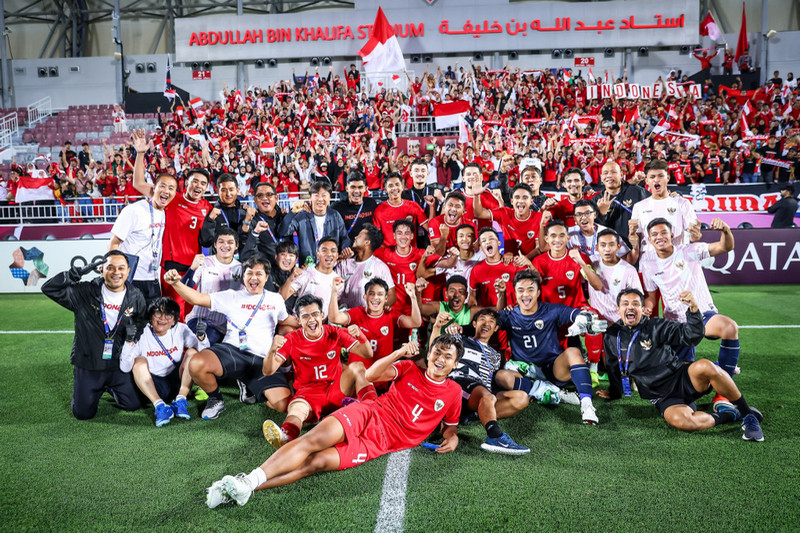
(646, 345)
(413, 267)
(617, 281)
(505, 277)
(384, 330)
(204, 211)
(367, 274)
(128, 312)
(438, 405)
(531, 234)
(680, 265)
(539, 324)
(570, 274)
(236, 277)
(627, 203)
(331, 354)
(671, 210)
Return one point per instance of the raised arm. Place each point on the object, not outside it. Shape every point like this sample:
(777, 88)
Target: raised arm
(725, 243)
(141, 145)
(190, 295)
(335, 315)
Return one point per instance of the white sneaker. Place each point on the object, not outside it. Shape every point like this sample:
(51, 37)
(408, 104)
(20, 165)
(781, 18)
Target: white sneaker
(244, 394)
(588, 413)
(237, 488)
(274, 434)
(213, 409)
(569, 397)
(215, 494)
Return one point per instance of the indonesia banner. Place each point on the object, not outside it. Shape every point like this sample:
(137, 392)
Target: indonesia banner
(447, 115)
(31, 189)
(634, 91)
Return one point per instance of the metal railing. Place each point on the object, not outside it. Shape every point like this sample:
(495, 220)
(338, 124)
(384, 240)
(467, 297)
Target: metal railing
(422, 127)
(39, 110)
(8, 128)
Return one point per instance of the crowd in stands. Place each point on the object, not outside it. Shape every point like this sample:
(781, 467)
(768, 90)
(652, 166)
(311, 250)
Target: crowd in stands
(324, 126)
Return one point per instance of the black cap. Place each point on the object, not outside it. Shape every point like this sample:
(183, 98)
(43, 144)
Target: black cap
(787, 187)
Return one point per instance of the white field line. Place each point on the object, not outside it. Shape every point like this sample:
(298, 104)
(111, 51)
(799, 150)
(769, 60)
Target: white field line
(392, 510)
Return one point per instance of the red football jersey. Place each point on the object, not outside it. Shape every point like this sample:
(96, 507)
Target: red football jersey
(386, 215)
(434, 233)
(379, 330)
(415, 405)
(564, 210)
(318, 360)
(561, 279)
(482, 278)
(518, 234)
(488, 201)
(184, 220)
(403, 269)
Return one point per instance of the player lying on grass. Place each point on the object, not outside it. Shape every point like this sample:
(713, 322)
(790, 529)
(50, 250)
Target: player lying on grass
(320, 380)
(641, 348)
(157, 359)
(532, 328)
(253, 314)
(475, 375)
(417, 402)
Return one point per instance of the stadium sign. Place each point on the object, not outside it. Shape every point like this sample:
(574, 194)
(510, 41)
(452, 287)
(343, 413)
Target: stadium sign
(447, 27)
(761, 257)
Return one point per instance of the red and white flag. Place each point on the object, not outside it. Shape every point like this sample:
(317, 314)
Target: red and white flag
(194, 134)
(672, 112)
(381, 54)
(463, 130)
(447, 115)
(747, 108)
(30, 189)
(237, 97)
(632, 114)
(787, 109)
(196, 103)
(710, 28)
(268, 147)
(169, 89)
(591, 77)
(744, 127)
(662, 127)
(742, 46)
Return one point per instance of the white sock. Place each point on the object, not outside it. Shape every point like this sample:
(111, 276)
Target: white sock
(593, 367)
(157, 403)
(257, 478)
(180, 397)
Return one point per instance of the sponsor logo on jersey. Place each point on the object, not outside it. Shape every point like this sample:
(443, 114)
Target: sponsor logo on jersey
(539, 324)
(304, 358)
(531, 234)
(646, 344)
(331, 354)
(505, 277)
(384, 330)
(264, 307)
(438, 405)
(570, 274)
(413, 387)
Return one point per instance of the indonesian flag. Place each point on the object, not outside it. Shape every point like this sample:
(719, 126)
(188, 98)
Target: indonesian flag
(405, 113)
(179, 110)
(672, 112)
(709, 27)
(237, 97)
(787, 109)
(169, 89)
(447, 115)
(744, 127)
(268, 147)
(591, 77)
(741, 43)
(196, 103)
(30, 189)
(632, 114)
(747, 108)
(193, 134)
(661, 127)
(381, 53)
(463, 130)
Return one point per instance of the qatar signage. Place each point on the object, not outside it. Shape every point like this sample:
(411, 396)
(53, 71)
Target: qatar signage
(446, 26)
(760, 256)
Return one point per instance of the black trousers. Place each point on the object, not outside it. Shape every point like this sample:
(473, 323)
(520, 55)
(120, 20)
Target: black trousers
(89, 386)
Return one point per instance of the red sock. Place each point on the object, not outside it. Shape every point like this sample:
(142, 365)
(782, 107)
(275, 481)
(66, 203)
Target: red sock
(291, 430)
(367, 393)
(594, 347)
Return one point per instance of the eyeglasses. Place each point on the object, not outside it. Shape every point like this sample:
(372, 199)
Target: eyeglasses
(585, 214)
(265, 195)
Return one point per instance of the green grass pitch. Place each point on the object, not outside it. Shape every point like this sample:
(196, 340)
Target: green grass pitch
(630, 473)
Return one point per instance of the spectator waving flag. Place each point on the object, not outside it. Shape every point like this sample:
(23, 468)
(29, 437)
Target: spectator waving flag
(169, 89)
(39, 188)
(381, 54)
(447, 115)
(710, 28)
(196, 103)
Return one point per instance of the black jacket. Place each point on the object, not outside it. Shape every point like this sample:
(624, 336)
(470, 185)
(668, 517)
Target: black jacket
(653, 363)
(231, 217)
(619, 213)
(264, 243)
(84, 299)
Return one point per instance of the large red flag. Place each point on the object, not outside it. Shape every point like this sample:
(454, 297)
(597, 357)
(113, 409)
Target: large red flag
(741, 44)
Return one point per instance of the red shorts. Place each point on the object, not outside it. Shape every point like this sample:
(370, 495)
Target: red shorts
(323, 397)
(363, 433)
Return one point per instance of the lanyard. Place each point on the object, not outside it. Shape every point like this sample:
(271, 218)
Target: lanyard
(109, 332)
(314, 222)
(255, 310)
(355, 219)
(623, 206)
(154, 241)
(268, 228)
(624, 371)
(485, 357)
(161, 345)
(239, 218)
(588, 251)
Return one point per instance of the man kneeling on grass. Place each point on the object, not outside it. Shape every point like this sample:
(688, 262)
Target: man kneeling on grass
(642, 348)
(417, 402)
